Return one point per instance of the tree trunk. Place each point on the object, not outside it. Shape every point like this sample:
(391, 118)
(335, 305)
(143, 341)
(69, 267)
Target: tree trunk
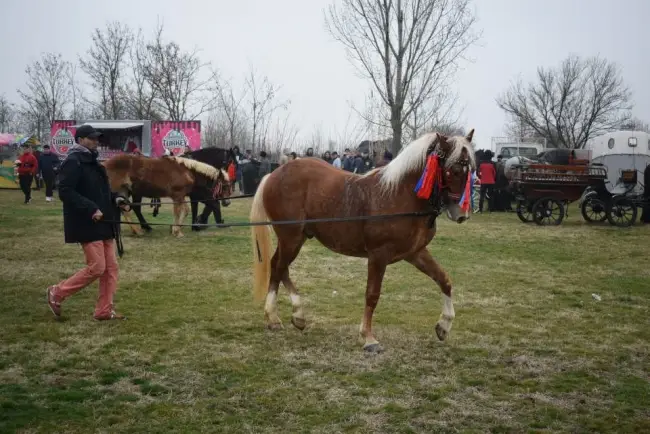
(396, 124)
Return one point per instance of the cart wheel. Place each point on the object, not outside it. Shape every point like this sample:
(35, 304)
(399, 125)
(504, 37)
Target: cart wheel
(594, 210)
(524, 211)
(622, 213)
(547, 211)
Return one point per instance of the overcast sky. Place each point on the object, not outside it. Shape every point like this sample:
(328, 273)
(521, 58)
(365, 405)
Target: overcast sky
(287, 40)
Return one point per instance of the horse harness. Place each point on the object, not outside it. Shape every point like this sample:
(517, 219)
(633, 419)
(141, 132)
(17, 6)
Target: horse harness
(440, 187)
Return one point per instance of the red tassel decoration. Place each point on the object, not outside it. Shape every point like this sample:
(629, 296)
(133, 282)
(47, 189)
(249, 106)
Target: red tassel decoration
(431, 174)
(467, 196)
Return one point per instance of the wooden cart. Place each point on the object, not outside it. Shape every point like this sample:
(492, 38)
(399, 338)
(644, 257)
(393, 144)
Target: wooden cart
(544, 191)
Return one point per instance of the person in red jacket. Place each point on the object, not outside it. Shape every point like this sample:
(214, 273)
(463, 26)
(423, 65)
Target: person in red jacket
(27, 169)
(487, 173)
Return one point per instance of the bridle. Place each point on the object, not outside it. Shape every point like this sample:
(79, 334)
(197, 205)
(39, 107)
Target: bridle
(441, 189)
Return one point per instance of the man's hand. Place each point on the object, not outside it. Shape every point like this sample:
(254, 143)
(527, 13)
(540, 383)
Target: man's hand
(98, 216)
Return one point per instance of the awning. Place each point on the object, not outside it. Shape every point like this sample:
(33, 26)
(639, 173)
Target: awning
(107, 125)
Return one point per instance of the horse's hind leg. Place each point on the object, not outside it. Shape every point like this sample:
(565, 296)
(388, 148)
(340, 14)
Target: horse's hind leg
(298, 316)
(285, 254)
(424, 262)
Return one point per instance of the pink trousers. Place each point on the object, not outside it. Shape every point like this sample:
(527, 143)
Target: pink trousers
(101, 264)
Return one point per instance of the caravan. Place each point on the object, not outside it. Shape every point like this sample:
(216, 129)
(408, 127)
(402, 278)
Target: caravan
(621, 150)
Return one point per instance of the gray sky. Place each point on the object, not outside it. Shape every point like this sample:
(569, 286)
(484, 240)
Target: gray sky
(287, 40)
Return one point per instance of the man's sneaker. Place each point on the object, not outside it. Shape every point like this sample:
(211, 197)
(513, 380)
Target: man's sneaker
(111, 316)
(55, 306)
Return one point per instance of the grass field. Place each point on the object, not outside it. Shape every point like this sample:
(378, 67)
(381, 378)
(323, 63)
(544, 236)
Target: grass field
(531, 350)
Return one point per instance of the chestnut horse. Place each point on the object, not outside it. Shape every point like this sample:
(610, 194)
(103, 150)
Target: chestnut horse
(309, 188)
(173, 177)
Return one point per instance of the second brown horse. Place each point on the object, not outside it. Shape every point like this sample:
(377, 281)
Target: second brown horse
(173, 177)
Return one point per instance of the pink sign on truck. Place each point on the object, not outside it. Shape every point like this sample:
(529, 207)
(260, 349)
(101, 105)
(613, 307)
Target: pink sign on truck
(62, 136)
(175, 136)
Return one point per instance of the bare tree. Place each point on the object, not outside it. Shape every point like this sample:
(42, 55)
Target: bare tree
(581, 99)
(439, 110)
(634, 124)
(230, 103)
(46, 96)
(179, 78)
(140, 98)
(262, 103)
(105, 62)
(81, 107)
(352, 133)
(405, 47)
(283, 136)
(7, 115)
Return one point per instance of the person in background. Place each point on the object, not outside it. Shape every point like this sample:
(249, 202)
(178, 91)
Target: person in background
(27, 169)
(387, 158)
(238, 166)
(310, 152)
(293, 156)
(336, 160)
(348, 160)
(487, 173)
(284, 158)
(327, 157)
(359, 166)
(87, 200)
(48, 166)
(368, 163)
(645, 213)
(265, 165)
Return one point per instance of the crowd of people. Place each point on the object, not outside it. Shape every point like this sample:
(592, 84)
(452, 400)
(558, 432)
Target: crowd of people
(249, 169)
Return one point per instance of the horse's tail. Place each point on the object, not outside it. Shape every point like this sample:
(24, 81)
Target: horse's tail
(261, 237)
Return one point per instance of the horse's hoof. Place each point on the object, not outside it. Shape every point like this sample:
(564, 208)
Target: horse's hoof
(196, 228)
(441, 332)
(147, 228)
(298, 323)
(179, 235)
(274, 326)
(373, 348)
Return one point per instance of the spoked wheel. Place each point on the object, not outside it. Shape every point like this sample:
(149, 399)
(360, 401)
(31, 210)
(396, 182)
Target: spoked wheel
(524, 211)
(547, 211)
(622, 212)
(594, 210)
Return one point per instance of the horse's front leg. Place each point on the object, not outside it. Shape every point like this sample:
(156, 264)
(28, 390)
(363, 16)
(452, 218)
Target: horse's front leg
(137, 209)
(423, 261)
(195, 210)
(376, 270)
(134, 228)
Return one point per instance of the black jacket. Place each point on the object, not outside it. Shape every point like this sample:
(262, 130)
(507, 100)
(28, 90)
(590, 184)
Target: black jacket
(83, 189)
(48, 164)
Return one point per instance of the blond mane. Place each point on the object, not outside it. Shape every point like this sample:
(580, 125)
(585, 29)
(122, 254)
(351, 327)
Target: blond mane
(413, 159)
(202, 168)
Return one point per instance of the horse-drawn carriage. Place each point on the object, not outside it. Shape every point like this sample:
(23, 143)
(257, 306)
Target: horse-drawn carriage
(618, 205)
(543, 191)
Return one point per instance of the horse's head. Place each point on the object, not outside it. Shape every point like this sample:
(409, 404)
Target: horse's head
(457, 162)
(118, 170)
(223, 187)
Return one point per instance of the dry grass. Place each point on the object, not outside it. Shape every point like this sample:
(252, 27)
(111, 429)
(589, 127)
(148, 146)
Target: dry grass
(530, 349)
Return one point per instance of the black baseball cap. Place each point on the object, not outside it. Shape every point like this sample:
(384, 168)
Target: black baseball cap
(86, 131)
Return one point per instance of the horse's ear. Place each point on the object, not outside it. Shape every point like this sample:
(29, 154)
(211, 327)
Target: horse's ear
(443, 143)
(470, 135)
